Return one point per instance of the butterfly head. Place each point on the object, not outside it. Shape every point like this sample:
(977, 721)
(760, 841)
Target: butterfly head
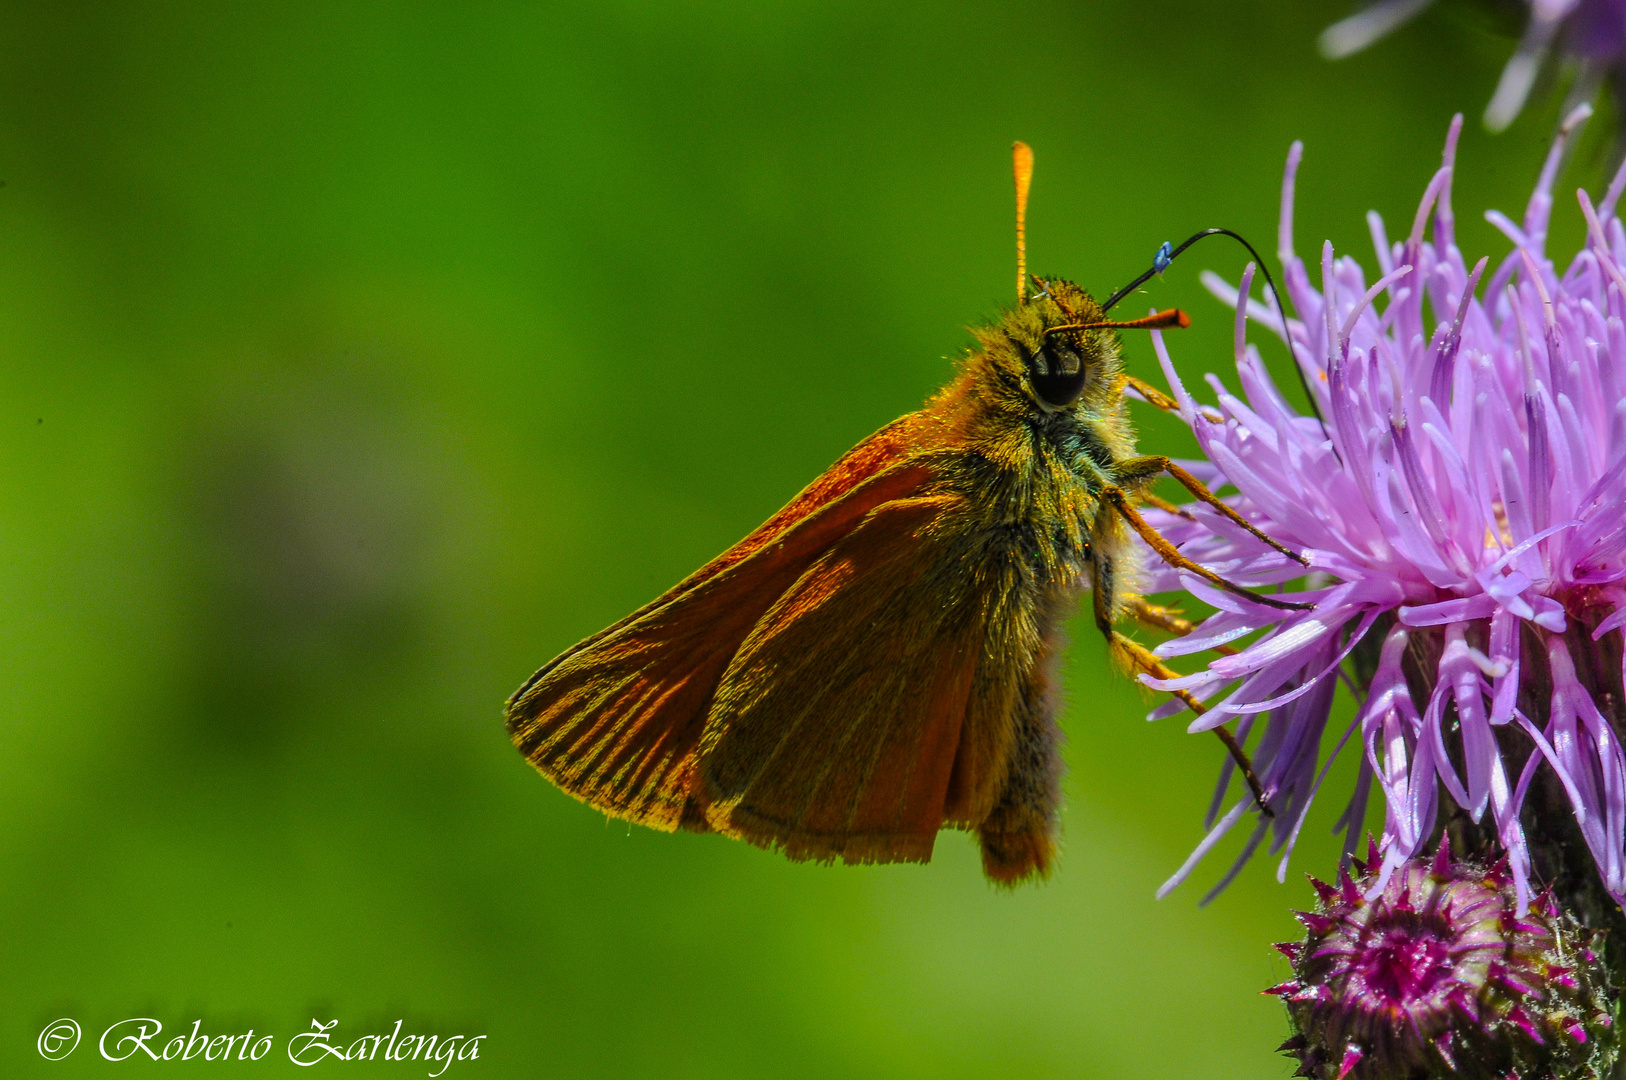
(1059, 331)
(1059, 363)
(1059, 346)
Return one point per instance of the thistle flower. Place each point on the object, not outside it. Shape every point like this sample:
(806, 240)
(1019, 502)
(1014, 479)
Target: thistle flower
(1590, 34)
(1463, 508)
(1439, 975)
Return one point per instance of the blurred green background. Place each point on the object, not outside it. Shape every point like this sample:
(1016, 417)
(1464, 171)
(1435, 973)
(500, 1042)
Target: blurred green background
(356, 359)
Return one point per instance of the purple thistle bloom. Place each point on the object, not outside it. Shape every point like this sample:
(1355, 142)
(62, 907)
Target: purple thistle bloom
(1437, 974)
(1464, 513)
(1590, 33)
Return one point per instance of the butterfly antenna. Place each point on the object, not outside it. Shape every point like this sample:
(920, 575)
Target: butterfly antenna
(1172, 319)
(1022, 165)
(1167, 254)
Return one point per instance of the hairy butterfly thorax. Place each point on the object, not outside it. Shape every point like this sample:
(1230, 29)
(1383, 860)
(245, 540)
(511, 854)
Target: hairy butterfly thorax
(1044, 417)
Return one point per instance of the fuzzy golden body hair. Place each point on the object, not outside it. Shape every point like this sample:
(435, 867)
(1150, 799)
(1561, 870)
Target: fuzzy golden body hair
(877, 661)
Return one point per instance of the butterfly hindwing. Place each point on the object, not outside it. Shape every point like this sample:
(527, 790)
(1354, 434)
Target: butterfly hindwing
(873, 703)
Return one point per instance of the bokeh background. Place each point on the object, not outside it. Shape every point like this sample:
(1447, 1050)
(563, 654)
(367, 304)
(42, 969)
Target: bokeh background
(355, 359)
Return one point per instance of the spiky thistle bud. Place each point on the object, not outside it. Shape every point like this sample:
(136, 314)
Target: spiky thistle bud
(1438, 974)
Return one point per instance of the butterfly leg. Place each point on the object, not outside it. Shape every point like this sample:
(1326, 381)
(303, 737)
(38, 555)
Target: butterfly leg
(1158, 617)
(1159, 400)
(1166, 619)
(1144, 468)
(1167, 507)
(1171, 554)
(1154, 397)
(1137, 658)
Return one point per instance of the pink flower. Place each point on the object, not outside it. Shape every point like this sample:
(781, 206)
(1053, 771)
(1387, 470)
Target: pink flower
(1463, 509)
(1591, 34)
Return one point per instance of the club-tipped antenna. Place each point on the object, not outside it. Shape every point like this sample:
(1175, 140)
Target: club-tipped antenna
(1167, 254)
(1022, 166)
(1172, 319)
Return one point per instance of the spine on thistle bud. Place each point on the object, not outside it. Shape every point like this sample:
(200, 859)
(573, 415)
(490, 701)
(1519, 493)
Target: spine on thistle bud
(1438, 974)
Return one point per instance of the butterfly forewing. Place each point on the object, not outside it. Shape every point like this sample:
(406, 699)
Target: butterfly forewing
(616, 720)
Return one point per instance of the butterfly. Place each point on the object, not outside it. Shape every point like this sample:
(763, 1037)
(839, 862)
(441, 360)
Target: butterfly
(878, 660)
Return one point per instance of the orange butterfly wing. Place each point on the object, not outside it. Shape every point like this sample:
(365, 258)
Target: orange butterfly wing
(836, 728)
(616, 720)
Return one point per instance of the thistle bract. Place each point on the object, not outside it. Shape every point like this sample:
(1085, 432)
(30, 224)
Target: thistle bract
(1440, 974)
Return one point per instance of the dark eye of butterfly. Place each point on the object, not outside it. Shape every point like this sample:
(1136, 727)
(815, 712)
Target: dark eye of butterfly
(1057, 372)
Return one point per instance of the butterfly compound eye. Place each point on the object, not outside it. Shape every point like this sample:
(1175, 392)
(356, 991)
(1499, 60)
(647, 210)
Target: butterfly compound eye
(1057, 373)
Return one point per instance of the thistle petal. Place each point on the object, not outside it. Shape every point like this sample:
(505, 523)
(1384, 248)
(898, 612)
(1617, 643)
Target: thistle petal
(1467, 488)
